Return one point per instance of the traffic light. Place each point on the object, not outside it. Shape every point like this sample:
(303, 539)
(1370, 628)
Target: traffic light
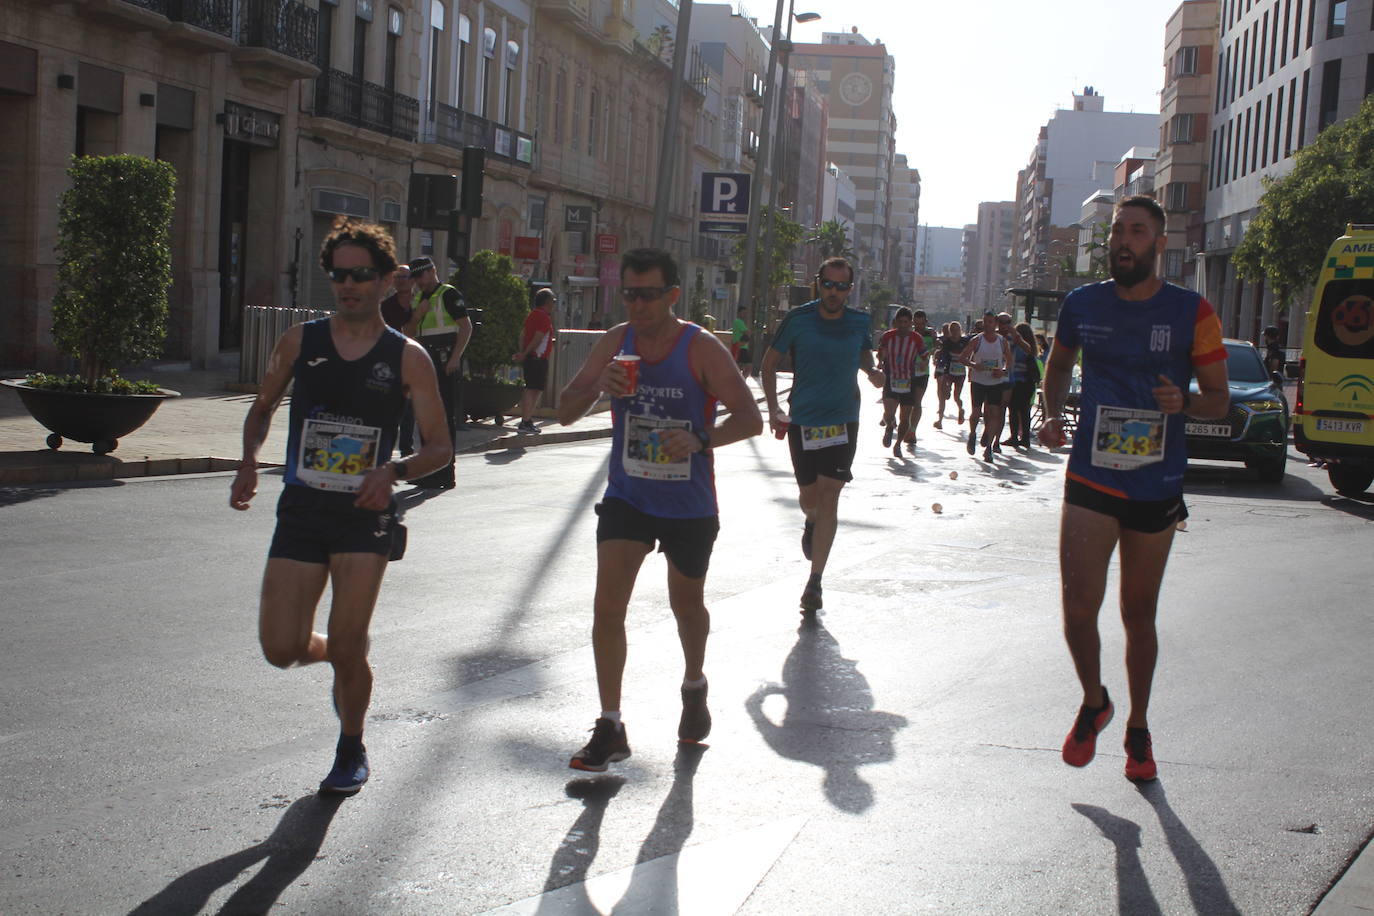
(474, 161)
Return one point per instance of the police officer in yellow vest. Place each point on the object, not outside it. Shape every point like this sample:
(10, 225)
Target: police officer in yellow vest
(440, 322)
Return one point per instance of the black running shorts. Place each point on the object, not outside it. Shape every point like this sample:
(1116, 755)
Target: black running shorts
(312, 525)
(1147, 516)
(686, 542)
(536, 372)
(988, 394)
(834, 461)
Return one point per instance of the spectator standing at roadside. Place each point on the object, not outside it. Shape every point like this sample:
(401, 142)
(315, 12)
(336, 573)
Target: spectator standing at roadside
(396, 312)
(1274, 358)
(440, 321)
(739, 343)
(536, 340)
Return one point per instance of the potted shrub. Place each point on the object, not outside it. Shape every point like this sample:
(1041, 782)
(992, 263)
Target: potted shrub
(110, 310)
(491, 284)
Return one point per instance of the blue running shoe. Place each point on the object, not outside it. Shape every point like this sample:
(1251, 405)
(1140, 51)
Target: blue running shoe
(349, 773)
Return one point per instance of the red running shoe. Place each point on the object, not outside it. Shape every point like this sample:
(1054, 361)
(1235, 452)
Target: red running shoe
(1081, 744)
(1140, 758)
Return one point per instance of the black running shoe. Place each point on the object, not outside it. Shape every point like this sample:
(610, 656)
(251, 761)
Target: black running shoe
(811, 597)
(997, 447)
(348, 775)
(609, 744)
(897, 450)
(972, 442)
(987, 454)
(808, 532)
(695, 723)
(887, 436)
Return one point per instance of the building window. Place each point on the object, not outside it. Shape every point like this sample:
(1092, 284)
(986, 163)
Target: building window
(541, 98)
(558, 105)
(436, 49)
(1173, 263)
(593, 111)
(324, 37)
(464, 52)
(1176, 197)
(1185, 62)
(538, 206)
(1283, 45)
(578, 92)
(1331, 92)
(360, 45)
(488, 55)
(1278, 123)
(1335, 19)
(1368, 74)
(1181, 129)
(395, 22)
(508, 91)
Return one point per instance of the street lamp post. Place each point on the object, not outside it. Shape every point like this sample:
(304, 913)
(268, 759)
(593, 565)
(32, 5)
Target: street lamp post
(785, 48)
(756, 187)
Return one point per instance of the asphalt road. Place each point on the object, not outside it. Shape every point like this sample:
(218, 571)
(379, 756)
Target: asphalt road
(901, 757)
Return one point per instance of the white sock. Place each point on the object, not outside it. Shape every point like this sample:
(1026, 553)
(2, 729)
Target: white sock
(612, 714)
(694, 685)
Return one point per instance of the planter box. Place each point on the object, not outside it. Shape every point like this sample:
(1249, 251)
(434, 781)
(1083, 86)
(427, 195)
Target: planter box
(100, 419)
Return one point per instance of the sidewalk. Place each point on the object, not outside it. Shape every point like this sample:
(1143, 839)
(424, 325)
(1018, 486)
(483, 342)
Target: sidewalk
(202, 431)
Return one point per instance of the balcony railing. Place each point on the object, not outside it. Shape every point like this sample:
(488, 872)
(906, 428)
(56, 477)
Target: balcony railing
(454, 128)
(285, 26)
(346, 98)
(211, 15)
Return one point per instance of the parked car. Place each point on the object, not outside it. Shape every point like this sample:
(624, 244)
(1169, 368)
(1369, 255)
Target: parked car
(1255, 429)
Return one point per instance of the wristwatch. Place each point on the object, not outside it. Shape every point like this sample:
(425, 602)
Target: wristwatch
(705, 438)
(399, 468)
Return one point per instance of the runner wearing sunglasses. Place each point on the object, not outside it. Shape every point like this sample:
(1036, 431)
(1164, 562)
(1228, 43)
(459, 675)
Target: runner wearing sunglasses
(829, 343)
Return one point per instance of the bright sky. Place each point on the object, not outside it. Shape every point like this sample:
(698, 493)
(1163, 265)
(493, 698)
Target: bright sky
(976, 81)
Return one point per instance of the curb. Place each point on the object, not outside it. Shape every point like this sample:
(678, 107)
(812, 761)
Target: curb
(114, 469)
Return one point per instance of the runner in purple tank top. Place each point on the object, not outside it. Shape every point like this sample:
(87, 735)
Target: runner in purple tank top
(661, 487)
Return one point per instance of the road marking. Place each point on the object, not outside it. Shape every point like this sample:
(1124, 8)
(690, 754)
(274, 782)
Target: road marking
(709, 878)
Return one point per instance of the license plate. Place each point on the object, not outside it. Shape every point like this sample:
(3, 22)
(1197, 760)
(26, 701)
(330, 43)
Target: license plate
(1207, 429)
(1327, 424)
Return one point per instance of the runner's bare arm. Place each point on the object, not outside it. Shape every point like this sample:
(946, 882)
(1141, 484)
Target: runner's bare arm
(720, 376)
(875, 376)
(1055, 389)
(1212, 402)
(259, 420)
(598, 374)
(436, 448)
(768, 378)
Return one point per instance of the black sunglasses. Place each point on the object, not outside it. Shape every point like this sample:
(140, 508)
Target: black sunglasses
(646, 293)
(843, 286)
(358, 274)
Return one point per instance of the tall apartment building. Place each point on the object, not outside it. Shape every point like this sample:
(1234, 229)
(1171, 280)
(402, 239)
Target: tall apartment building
(906, 208)
(1285, 71)
(1074, 153)
(986, 259)
(858, 77)
(1185, 112)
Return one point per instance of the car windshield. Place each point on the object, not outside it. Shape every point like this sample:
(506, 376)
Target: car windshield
(1243, 364)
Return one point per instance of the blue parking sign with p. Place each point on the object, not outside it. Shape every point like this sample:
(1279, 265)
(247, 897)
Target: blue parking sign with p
(725, 202)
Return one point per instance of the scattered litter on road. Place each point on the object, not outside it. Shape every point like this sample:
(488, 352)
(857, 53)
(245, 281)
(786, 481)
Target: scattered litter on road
(1182, 526)
(937, 508)
(953, 475)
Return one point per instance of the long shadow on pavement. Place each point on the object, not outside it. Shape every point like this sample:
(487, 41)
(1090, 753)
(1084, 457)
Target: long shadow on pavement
(288, 852)
(1206, 888)
(830, 720)
(577, 850)
(1133, 894)
(667, 837)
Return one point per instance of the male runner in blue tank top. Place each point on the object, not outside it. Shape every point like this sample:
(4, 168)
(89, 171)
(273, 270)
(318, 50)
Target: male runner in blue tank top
(661, 486)
(336, 519)
(1141, 339)
(829, 343)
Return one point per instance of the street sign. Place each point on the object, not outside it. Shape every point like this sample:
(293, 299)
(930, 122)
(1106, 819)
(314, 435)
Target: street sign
(607, 244)
(724, 202)
(577, 219)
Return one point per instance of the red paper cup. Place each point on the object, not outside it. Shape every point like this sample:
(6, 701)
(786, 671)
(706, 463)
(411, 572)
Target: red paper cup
(631, 365)
(781, 431)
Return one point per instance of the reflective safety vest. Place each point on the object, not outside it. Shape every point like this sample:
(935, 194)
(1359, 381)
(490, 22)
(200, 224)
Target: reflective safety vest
(436, 320)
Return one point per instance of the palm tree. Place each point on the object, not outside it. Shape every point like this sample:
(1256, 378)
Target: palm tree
(834, 240)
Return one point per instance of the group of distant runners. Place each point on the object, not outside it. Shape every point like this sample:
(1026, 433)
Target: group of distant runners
(1139, 340)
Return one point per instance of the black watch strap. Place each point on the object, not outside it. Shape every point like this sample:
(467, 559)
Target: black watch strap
(705, 437)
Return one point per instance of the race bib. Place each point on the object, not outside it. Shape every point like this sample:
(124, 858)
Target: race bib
(814, 437)
(644, 455)
(1126, 439)
(899, 385)
(336, 456)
